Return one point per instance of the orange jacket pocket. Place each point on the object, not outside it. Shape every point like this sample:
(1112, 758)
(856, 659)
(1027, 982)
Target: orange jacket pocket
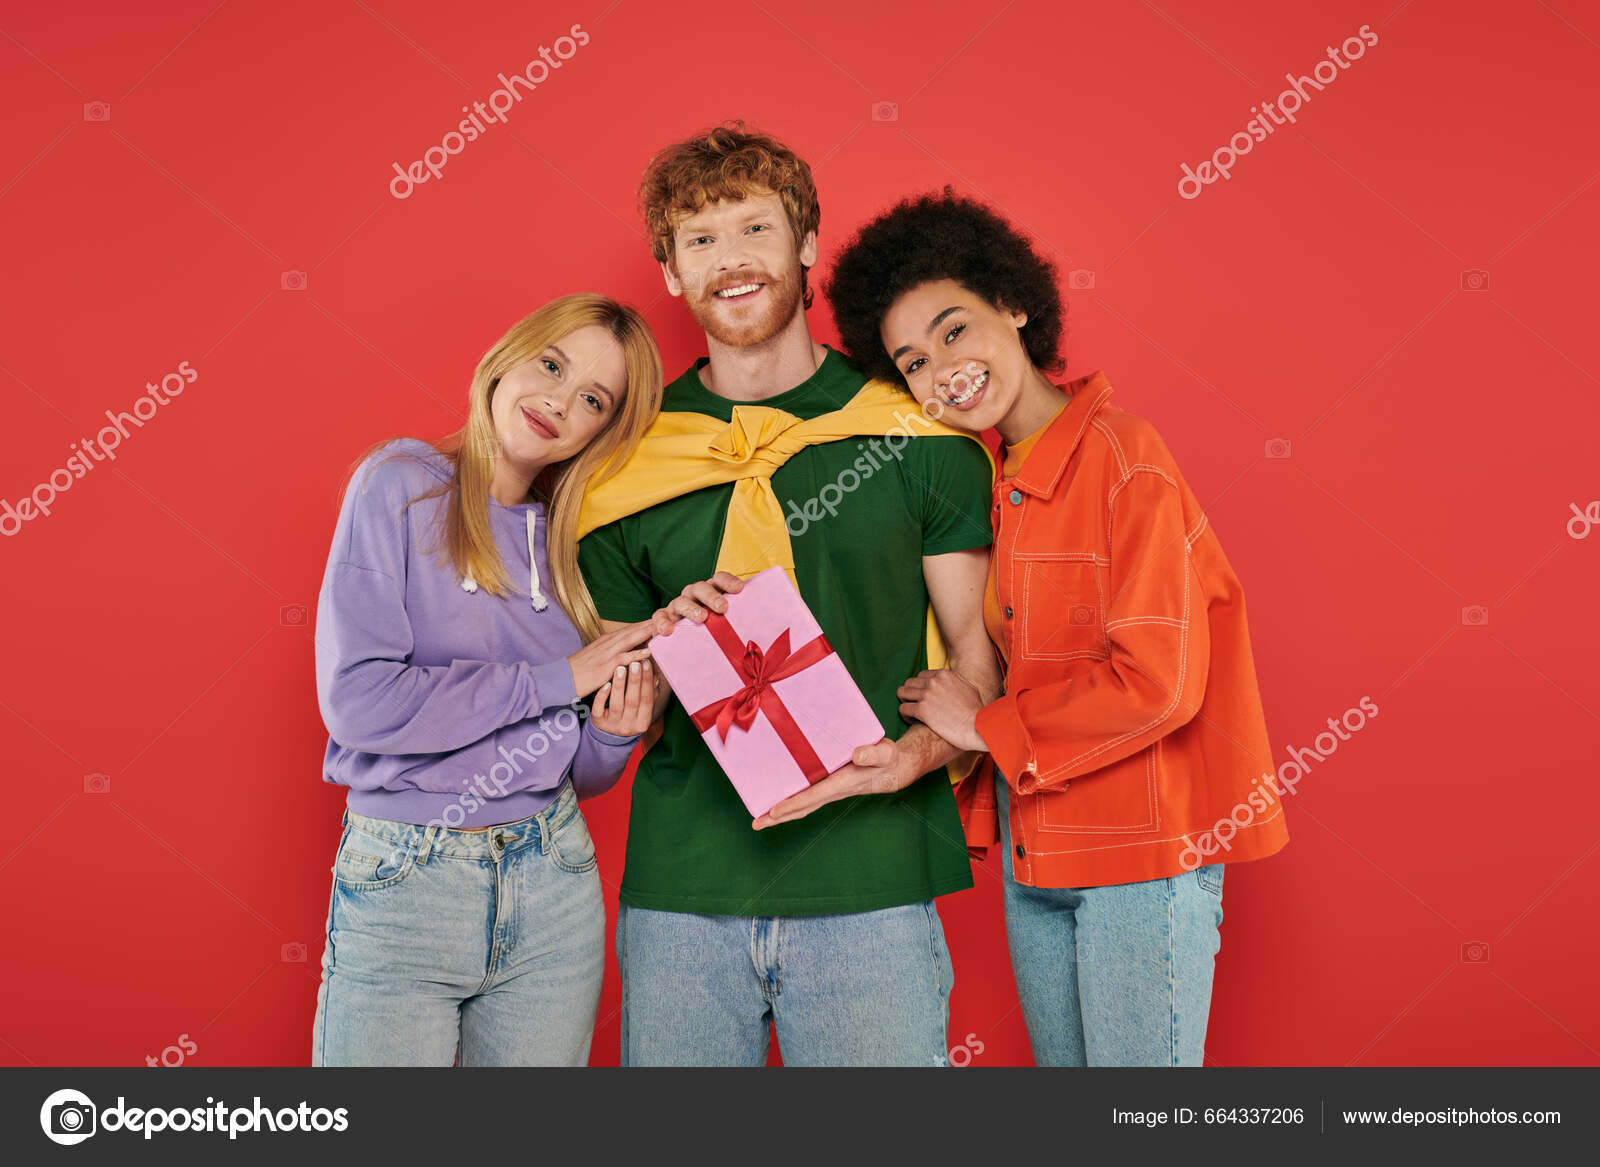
(1123, 797)
(1062, 611)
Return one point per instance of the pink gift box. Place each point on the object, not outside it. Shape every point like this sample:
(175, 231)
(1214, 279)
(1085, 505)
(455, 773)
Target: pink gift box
(773, 701)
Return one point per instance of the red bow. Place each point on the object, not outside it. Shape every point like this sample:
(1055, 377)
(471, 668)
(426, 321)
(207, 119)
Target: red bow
(758, 669)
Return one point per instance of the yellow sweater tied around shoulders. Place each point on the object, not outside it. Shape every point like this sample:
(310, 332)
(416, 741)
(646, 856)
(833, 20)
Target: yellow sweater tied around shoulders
(683, 452)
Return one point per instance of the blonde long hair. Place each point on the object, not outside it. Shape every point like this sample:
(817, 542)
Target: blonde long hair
(467, 539)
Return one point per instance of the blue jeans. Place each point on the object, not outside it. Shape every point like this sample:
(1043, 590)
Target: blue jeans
(864, 989)
(489, 944)
(1117, 975)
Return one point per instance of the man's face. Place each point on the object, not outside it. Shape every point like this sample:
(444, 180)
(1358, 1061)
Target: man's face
(737, 266)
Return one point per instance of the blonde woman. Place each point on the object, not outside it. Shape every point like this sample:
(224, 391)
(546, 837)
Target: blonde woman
(456, 642)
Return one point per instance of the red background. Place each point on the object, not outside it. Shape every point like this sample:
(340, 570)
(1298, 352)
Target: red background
(1438, 433)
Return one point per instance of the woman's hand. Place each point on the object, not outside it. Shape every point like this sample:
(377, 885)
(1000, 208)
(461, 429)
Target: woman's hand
(595, 663)
(624, 705)
(945, 702)
(697, 601)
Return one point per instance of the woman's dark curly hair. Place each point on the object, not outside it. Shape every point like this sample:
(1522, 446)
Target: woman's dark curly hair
(941, 237)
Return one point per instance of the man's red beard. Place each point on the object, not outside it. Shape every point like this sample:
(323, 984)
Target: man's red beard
(782, 295)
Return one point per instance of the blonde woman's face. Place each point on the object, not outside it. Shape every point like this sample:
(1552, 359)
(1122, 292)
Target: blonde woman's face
(547, 410)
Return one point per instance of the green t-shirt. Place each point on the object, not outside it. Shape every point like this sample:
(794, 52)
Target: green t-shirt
(690, 845)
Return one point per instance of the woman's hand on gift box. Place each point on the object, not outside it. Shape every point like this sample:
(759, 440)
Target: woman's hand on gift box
(881, 768)
(624, 705)
(697, 601)
(945, 702)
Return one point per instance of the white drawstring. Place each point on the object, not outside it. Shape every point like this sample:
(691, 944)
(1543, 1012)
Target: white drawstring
(470, 585)
(534, 593)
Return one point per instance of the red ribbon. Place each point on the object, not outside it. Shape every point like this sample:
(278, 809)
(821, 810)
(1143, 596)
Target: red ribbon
(758, 669)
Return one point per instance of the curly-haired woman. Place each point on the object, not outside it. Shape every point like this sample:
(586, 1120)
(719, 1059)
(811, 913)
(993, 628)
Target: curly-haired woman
(1130, 745)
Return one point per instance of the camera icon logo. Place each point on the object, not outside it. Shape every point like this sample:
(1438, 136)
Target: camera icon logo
(293, 953)
(96, 111)
(886, 111)
(1475, 952)
(1277, 447)
(1082, 615)
(292, 615)
(1475, 280)
(1080, 279)
(97, 783)
(68, 1117)
(294, 281)
(1475, 616)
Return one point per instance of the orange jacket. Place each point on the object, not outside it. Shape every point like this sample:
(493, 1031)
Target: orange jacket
(1131, 730)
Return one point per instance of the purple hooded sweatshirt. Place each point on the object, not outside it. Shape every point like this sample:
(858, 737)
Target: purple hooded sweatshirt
(444, 703)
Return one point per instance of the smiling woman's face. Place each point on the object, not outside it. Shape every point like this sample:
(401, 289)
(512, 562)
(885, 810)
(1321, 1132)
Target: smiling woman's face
(548, 409)
(950, 344)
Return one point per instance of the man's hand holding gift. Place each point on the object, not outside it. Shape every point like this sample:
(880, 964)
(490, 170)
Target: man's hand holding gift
(881, 768)
(941, 700)
(695, 603)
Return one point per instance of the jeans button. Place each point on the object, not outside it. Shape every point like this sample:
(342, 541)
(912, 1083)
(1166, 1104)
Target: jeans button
(500, 839)
(1008, 611)
(1021, 854)
(1016, 498)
